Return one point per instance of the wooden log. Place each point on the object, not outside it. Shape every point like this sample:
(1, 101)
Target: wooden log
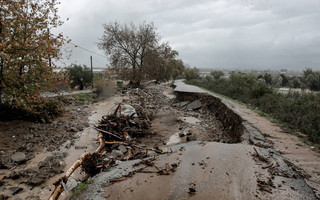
(101, 141)
(59, 186)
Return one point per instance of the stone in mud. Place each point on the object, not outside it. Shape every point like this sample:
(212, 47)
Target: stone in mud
(79, 127)
(175, 104)
(36, 181)
(122, 148)
(194, 105)
(33, 198)
(19, 157)
(181, 135)
(71, 184)
(73, 129)
(117, 154)
(191, 138)
(80, 147)
(184, 103)
(51, 148)
(4, 162)
(15, 190)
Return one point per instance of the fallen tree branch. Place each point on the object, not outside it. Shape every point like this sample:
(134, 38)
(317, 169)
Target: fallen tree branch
(64, 179)
(98, 129)
(133, 145)
(59, 187)
(101, 141)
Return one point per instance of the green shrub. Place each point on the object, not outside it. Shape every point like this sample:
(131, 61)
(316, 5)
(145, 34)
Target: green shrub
(80, 76)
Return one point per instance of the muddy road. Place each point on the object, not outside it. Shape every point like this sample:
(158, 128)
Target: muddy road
(213, 149)
(212, 153)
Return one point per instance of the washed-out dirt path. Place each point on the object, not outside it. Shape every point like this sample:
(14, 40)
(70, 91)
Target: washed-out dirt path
(304, 158)
(207, 156)
(211, 155)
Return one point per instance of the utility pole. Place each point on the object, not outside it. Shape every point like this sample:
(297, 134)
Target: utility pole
(48, 40)
(91, 72)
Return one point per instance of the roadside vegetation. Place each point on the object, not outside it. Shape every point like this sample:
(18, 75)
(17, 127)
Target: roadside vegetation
(298, 111)
(80, 76)
(28, 52)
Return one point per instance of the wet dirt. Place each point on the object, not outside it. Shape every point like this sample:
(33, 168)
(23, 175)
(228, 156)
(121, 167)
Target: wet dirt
(206, 169)
(291, 146)
(42, 145)
(53, 148)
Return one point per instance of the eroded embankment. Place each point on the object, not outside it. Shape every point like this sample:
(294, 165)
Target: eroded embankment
(231, 122)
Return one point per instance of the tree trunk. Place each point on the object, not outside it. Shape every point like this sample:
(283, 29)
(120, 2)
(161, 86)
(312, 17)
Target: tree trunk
(134, 71)
(1, 77)
(1, 61)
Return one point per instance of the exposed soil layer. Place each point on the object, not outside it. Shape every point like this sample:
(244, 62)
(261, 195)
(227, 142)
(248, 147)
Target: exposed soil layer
(231, 122)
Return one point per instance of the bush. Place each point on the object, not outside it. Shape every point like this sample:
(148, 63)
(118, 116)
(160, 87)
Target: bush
(191, 73)
(102, 86)
(80, 76)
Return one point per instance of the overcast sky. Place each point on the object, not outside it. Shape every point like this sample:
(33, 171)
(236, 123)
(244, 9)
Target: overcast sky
(264, 34)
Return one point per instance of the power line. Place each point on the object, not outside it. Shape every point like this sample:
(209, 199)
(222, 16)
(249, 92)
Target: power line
(75, 45)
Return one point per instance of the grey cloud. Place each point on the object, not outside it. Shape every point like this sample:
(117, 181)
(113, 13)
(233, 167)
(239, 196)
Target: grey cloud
(223, 33)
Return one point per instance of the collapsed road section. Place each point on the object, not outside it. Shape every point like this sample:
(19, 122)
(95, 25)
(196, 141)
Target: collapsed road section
(181, 144)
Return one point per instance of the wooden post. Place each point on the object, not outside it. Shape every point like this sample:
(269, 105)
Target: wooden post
(91, 72)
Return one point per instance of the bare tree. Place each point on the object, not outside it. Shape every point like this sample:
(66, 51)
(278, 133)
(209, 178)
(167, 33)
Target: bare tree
(127, 45)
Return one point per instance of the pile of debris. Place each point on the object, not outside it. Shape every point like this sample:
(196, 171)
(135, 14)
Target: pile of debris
(119, 135)
(124, 124)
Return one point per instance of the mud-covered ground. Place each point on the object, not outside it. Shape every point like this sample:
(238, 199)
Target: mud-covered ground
(214, 151)
(31, 152)
(212, 154)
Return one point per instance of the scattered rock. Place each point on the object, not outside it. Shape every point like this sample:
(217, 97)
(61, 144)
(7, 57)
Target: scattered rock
(19, 157)
(181, 135)
(15, 190)
(3, 197)
(192, 191)
(182, 104)
(51, 148)
(5, 162)
(80, 147)
(68, 145)
(122, 148)
(71, 184)
(73, 129)
(175, 104)
(194, 105)
(191, 138)
(33, 198)
(117, 154)
(36, 181)
(79, 127)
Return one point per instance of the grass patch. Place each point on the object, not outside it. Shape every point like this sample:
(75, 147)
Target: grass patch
(80, 189)
(84, 98)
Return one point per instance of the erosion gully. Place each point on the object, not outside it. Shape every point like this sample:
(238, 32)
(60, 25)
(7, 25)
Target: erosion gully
(194, 147)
